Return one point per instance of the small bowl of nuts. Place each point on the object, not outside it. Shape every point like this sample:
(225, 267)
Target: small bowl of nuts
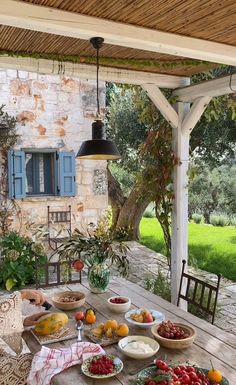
(68, 300)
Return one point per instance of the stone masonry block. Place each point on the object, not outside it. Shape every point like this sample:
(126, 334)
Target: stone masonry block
(27, 103)
(3, 77)
(23, 74)
(87, 177)
(12, 73)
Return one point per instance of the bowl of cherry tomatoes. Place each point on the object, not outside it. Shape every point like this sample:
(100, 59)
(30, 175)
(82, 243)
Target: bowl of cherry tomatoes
(174, 335)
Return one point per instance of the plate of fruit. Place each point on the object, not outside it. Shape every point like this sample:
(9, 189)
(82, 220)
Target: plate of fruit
(107, 333)
(163, 374)
(101, 367)
(144, 318)
(174, 335)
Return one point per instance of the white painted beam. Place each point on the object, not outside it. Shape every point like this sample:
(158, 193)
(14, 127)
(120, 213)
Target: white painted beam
(86, 71)
(162, 104)
(195, 113)
(216, 87)
(39, 18)
(179, 236)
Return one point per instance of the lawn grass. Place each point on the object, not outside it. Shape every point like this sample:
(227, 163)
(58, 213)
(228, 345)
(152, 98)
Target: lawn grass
(210, 248)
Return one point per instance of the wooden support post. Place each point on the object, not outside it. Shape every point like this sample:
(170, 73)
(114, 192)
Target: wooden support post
(179, 242)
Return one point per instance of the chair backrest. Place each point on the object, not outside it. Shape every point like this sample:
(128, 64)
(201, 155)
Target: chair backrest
(199, 293)
(57, 217)
(55, 273)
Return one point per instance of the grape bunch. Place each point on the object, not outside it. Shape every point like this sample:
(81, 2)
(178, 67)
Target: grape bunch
(102, 365)
(168, 329)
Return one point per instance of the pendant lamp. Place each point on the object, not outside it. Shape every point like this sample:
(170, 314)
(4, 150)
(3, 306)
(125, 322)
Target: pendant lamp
(99, 147)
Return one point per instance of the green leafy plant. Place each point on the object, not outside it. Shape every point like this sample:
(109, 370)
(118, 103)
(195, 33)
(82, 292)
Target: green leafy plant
(17, 263)
(98, 245)
(197, 218)
(219, 220)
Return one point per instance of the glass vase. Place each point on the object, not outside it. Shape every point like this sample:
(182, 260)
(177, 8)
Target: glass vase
(98, 277)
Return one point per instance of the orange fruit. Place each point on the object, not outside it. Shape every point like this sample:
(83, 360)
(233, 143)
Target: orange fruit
(214, 375)
(109, 333)
(122, 330)
(90, 317)
(110, 324)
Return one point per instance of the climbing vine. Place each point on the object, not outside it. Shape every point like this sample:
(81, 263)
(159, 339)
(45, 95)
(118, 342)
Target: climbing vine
(8, 138)
(109, 61)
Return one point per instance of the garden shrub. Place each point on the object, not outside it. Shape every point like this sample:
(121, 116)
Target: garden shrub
(233, 221)
(17, 263)
(219, 220)
(198, 218)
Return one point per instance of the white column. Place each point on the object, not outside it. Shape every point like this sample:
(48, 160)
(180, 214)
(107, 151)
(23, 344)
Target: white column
(179, 244)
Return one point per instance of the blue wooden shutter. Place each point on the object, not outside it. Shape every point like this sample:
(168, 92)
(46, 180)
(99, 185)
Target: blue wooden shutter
(67, 174)
(16, 174)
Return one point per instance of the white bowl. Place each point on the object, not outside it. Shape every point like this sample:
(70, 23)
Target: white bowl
(119, 307)
(135, 354)
(158, 318)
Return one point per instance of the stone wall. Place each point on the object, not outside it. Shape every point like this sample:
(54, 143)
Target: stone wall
(54, 111)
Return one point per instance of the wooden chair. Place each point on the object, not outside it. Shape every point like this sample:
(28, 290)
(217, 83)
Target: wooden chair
(55, 218)
(208, 293)
(53, 274)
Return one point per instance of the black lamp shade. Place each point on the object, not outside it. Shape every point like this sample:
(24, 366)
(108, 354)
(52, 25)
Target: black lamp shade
(98, 148)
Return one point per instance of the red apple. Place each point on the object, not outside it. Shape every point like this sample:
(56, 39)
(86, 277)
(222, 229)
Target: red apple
(147, 317)
(78, 265)
(79, 316)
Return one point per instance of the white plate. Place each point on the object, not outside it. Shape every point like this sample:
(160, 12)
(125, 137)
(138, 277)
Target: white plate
(86, 364)
(158, 318)
(139, 355)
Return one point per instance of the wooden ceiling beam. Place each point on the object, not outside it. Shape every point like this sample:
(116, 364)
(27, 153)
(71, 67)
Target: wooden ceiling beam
(216, 87)
(86, 71)
(39, 18)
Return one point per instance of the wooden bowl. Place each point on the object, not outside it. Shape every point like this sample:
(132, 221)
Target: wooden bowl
(79, 300)
(175, 344)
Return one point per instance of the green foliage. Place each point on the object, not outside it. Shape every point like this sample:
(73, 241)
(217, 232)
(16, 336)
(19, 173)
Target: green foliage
(99, 245)
(212, 190)
(149, 213)
(197, 218)
(160, 285)
(8, 136)
(219, 220)
(211, 248)
(17, 263)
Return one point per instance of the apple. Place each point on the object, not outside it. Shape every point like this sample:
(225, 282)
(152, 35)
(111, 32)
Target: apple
(147, 317)
(79, 316)
(78, 265)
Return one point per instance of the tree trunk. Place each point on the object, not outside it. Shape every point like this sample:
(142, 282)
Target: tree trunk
(126, 211)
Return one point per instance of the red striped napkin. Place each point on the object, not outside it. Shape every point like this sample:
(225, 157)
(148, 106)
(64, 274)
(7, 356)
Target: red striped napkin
(49, 362)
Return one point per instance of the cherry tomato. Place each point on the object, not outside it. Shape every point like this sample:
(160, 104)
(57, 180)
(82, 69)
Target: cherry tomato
(162, 365)
(190, 369)
(151, 382)
(193, 376)
(185, 379)
(177, 370)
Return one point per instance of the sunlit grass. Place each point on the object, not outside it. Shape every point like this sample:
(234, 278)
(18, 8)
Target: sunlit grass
(212, 248)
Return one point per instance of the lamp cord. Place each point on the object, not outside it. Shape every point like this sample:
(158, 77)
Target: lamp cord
(98, 106)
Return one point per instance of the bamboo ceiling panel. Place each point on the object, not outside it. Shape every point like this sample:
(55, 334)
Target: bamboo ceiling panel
(213, 20)
(32, 42)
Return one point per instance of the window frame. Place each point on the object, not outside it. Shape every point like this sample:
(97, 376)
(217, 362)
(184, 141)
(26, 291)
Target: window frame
(54, 153)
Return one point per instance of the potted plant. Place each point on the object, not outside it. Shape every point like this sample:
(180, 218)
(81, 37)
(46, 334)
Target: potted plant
(99, 250)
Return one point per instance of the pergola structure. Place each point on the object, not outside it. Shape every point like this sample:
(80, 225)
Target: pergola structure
(152, 43)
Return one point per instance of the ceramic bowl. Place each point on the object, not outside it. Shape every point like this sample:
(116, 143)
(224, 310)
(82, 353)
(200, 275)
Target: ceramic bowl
(78, 302)
(138, 355)
(175, 344)
(119, 307)
(158, 318)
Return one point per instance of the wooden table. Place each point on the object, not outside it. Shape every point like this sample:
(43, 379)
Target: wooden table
(211, 342)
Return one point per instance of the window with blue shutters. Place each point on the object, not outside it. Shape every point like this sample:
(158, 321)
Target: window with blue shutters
(37, 173)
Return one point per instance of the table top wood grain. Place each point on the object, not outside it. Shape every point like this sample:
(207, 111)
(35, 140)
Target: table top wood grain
(211, 342)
